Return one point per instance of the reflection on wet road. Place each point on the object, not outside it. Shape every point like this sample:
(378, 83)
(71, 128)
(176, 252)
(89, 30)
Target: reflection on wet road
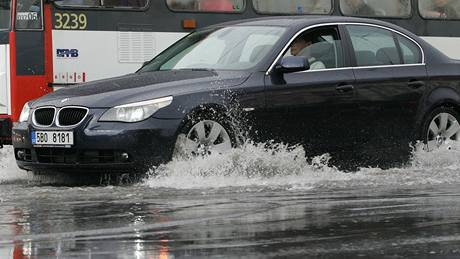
(138, 222)
(251, 203)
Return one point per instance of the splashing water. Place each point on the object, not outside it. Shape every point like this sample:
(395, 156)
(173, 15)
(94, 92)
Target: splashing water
(280, 166)
(9, 171)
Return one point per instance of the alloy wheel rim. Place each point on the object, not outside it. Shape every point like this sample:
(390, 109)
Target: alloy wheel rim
(207, 137)
(443, 129)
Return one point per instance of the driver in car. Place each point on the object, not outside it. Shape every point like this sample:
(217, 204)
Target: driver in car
(301, 47)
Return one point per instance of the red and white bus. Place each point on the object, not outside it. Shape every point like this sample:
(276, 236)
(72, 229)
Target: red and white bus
(46, 44)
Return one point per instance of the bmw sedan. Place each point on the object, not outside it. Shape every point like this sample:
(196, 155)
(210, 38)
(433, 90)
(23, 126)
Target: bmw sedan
(361, 90)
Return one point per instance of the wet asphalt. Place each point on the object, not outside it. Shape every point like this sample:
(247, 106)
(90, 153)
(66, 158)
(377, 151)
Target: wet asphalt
(137, 221)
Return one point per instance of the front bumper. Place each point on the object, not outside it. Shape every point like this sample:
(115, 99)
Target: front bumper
(100, 147)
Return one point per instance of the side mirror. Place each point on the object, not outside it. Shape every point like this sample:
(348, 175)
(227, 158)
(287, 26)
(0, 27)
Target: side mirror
(293, 64)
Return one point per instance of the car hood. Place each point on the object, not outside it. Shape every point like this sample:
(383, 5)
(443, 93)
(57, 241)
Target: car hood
(140, 87)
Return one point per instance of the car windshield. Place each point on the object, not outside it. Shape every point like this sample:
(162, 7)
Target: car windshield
(229, 48)
(5, 14)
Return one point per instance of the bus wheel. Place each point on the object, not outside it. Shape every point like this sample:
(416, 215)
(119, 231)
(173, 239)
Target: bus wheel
(441, 128)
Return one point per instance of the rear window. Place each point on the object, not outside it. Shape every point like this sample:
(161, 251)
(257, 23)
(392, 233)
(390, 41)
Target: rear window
(376, 8)
(224, 6)
(293, 6)
(410, 51)
(137, 4)
(373, 46)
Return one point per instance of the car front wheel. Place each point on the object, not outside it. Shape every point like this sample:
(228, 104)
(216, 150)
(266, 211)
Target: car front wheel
(204, 136)
(441, 128)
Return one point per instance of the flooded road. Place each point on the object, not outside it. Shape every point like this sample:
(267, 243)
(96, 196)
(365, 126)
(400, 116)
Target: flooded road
(252, 203)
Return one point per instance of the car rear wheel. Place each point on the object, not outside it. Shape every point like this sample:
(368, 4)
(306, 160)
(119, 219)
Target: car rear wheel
(204, 136)
(441, 128)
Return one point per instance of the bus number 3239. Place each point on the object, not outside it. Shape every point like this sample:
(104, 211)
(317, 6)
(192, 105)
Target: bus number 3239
(70, 21)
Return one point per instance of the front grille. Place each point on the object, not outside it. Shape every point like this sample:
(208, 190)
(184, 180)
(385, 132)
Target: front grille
(56, 155)
(44, 116)
(73, 156)
(71, 116)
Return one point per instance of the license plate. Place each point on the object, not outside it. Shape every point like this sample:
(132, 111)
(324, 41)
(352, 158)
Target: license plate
(52, 138)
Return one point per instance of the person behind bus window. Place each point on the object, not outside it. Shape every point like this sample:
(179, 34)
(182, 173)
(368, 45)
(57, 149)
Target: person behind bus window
(301, 47)
(187, 5)
(441, 9)
(319, 7)
(216, 5)
(360, 8)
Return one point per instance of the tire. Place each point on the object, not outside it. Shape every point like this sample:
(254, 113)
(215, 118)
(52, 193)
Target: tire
(204, 134)
(441, 128)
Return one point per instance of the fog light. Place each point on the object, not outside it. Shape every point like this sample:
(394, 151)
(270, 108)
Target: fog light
(21, 154)
(124, 157)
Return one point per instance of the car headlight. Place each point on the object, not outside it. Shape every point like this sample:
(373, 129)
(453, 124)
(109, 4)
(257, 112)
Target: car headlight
(25, 113)
(134, 112)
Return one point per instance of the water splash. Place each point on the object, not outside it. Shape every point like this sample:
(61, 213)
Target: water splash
(281, 166)
(9, 171)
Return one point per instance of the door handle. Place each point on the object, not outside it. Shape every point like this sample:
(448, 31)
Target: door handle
(345, 88)
(415, 84)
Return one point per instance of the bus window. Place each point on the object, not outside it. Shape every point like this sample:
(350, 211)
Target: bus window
(376, 8)
(125, 3)
(439, 9)
(86, 3)
(5, 14)
(230, 6)
(103, 3)
(293, 6)
(29, 15)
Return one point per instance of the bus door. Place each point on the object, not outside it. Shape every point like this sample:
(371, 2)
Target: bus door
(31, 62)
(5, 102)
(5, 25)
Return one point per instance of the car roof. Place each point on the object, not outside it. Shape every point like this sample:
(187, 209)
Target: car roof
(299, 20)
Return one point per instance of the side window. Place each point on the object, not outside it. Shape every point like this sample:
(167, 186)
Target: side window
(105, 3)
(322, 47)
(439, 9)
(292, 6)
(373, 46)
(125, 3)
(29, 15)
(376, 8)
(225, 6)
(411, 53)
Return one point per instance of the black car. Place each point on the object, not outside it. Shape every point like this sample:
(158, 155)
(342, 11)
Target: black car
(362, 90)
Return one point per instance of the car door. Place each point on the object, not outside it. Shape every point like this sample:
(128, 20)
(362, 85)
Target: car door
(390, 81)
(314, 107)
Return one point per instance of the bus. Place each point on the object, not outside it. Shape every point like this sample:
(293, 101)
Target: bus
(49, 44)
